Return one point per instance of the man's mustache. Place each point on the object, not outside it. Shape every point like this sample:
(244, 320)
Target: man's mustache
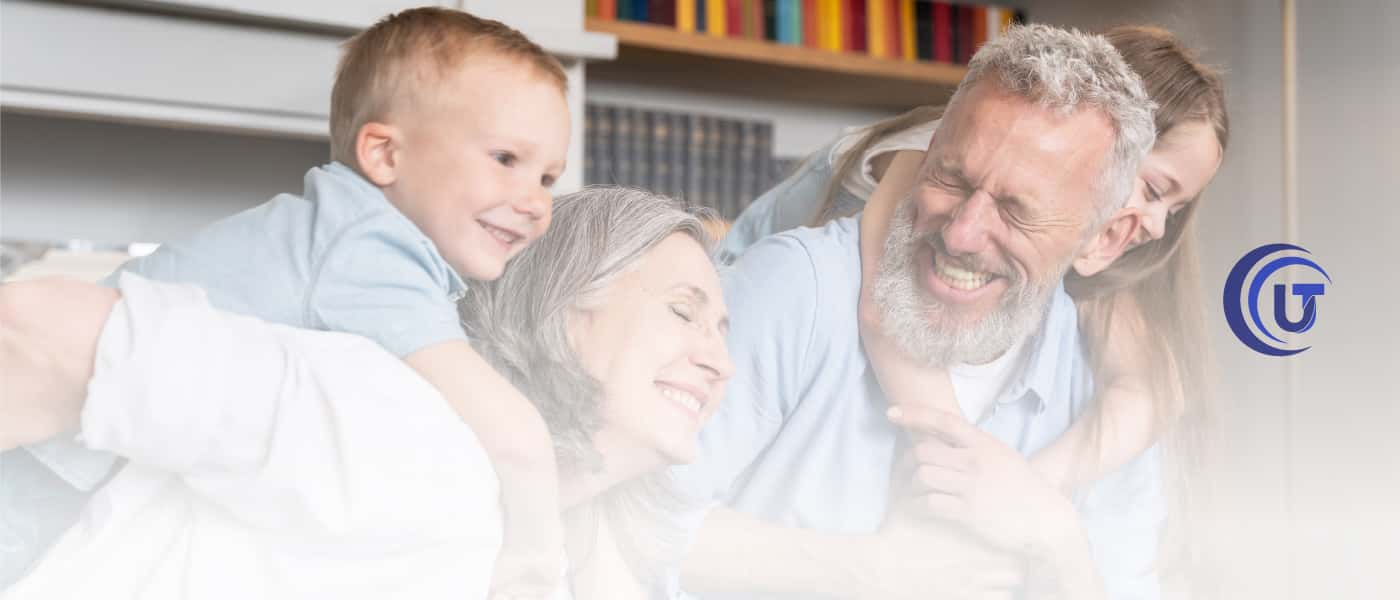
(966, 262)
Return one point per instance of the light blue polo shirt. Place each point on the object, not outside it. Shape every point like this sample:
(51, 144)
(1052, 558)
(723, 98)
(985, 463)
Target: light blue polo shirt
(339, 257)
(802, 440)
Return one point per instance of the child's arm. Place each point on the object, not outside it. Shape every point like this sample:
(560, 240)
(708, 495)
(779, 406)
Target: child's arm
(518, 444)
(1128, 420)
(903, 381)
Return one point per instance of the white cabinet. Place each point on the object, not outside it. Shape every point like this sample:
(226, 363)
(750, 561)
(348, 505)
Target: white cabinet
(334, 13)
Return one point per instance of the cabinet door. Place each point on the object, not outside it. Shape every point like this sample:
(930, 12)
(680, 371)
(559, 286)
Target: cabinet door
(334, 13)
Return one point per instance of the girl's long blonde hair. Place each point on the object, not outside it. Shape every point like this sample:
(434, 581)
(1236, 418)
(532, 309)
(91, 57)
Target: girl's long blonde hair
(1160, 278)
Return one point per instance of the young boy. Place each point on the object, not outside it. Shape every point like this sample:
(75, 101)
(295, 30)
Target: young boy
(447, 132)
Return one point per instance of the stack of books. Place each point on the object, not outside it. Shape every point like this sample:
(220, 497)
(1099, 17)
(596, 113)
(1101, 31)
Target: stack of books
(716, 162)
(912, 30)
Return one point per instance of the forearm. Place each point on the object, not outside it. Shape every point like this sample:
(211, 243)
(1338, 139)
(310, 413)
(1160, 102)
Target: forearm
(735, 552)
(1122, 429)
(1062, 565)
(48, 340)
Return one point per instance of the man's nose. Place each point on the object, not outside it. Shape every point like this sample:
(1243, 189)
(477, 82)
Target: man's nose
(969, 230)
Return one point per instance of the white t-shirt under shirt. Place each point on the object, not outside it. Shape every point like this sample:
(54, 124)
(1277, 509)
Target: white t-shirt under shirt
(978, 386)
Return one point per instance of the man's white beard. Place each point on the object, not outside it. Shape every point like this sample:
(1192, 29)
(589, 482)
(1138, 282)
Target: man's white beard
(928, 331)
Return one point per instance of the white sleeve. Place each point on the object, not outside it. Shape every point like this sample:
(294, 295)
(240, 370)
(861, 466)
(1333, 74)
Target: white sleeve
(307, 431)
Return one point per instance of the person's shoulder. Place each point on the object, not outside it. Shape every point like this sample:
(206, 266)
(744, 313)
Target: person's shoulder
(835, 245)
(819, 266)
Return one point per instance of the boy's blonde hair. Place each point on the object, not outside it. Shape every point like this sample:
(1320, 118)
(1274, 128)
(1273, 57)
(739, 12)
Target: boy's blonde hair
(397, 57)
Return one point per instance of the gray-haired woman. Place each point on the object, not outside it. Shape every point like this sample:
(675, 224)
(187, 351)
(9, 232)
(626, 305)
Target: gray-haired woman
(266, 461)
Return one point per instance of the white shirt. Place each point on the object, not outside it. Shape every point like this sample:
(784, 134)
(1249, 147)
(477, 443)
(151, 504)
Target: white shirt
(268, 462)
(978, 386)
(861, 182)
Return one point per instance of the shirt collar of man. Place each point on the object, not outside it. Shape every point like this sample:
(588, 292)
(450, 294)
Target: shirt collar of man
(1043, 378)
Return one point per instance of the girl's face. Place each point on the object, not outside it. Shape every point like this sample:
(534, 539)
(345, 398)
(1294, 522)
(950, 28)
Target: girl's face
(1173, 175)
(655, 341)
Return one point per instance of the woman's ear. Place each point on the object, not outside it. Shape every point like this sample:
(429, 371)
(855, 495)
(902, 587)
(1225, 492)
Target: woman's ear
(377, 147)
(1112, 240)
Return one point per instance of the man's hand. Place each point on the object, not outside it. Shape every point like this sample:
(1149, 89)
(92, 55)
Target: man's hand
(966, 476)
(48, 341)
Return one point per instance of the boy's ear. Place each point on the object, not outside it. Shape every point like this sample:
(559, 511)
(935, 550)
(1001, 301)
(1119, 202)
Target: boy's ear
(1112, 240)
(377, 151)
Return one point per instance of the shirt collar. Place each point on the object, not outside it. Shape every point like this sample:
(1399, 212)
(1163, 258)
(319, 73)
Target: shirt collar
(1045, 376)
(368, 192)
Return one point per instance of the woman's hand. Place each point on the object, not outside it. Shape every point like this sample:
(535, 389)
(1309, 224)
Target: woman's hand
(966, 476)
(48, 341)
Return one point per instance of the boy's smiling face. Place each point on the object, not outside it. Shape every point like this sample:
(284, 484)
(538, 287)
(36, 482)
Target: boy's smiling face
(472, 160)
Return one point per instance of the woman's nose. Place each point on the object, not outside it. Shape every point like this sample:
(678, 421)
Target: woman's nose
(712, 354)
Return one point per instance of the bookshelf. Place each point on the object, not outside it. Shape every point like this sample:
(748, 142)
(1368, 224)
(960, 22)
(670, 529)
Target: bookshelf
(662, 55)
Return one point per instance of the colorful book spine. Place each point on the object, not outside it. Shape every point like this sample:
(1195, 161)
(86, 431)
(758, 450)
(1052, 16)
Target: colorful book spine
(702, 16)
(789, 16)
(685, 15)
(811, 32)
(663, 12)
(734, 11)
(607, 10)
(769, 16)
(979, 28)
(966, 36)
(942, 32)
(908, 46)
(836, 25)
(923, 29)
(892, 47)
(876, 28)
(717, 18)
(856, 11)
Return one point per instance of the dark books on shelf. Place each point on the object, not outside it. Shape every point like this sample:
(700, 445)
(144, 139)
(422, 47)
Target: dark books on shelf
(716, 162)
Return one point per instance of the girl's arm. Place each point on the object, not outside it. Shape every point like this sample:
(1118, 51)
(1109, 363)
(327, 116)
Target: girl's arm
(903, 381)
(1125, 419)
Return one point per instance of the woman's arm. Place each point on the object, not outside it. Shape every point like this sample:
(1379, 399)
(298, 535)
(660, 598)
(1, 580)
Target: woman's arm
(48, 340)
(1128, 420)
(903, 381)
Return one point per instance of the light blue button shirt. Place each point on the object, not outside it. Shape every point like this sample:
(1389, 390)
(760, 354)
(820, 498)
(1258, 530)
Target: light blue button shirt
(339, 257)
(802, 440)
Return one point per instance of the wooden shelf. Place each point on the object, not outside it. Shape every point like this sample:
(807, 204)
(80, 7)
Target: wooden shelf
(656, 53)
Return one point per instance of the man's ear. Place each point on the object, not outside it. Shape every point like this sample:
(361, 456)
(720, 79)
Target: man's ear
(377, 147)
(1112, 240)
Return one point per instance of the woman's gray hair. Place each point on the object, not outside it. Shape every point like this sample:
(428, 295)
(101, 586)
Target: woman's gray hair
(520, 324)
(1067, 70)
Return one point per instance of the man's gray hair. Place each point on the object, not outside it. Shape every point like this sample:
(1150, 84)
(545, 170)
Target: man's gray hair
(1068, 70)
(520, 324)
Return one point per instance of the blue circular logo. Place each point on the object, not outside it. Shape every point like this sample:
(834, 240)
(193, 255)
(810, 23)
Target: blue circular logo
(1235, 292)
